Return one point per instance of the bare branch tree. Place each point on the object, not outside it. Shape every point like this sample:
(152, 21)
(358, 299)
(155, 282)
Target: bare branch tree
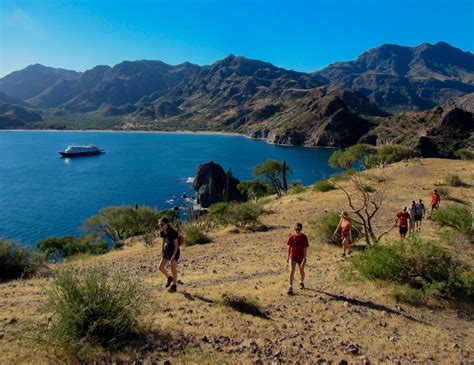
(364, 202)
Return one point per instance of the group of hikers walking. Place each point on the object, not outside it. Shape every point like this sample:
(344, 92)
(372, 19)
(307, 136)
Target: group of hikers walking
(408, 220)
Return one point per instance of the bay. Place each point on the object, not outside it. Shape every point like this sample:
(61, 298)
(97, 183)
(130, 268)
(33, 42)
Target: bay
(43, 195)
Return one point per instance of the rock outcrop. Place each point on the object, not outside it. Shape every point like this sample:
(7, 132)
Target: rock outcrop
(210, 185)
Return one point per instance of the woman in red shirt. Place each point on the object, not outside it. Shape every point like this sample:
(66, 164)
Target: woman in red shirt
(346, 233)
(297, 249)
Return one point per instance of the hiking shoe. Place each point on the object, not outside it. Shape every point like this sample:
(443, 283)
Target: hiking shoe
(170, 280)
(290, 291)
(301, 285)
(172, 289)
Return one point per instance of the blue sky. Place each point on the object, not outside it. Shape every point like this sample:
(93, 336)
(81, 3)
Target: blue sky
(299, 35)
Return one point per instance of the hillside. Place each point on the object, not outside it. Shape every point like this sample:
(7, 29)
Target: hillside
(399, 78)
(322, 324)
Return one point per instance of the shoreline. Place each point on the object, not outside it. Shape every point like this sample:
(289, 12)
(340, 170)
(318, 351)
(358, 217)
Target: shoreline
(129, 131)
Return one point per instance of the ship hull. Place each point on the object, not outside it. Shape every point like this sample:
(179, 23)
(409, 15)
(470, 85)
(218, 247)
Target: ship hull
(80, 154)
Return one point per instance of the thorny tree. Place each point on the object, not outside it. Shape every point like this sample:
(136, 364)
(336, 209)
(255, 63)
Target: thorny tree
(364, 201)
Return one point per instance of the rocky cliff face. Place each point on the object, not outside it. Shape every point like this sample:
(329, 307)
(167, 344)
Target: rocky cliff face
(210, 185)
(14, 113)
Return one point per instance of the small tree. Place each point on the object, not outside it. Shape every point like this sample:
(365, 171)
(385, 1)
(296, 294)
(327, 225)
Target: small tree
(364, 202)
(272, 172)
(351, 157)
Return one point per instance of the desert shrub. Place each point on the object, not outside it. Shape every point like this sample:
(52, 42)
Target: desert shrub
(421, 265)
(195, 236)
(443, 192)
(388, 154)
(407, 294)
(453, 180)
(119, 223)
(368, 188)
(456, 216)
(56, 248)
(351, 157)
(343, 175)
(246, 305)
(94, 308)
(468, 283)
(239, 214)
(322, 229)
(255, 189)
(464, 154)
(17, 261)
(323, 186)
(296, 187)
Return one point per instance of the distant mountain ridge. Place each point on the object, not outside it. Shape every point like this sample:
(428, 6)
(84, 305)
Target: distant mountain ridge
(406, 78)
(338, 106)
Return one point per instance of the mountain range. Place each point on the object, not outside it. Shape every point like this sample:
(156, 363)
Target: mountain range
(342, 104)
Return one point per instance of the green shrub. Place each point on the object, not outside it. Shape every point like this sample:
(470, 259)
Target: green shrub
(323, 186)
(56, 248)
(119, 223)
(239, 214)
(246, 305)
(464, 154)
(322, 229)
(93, 308)
(342, 176)
(296, 187)
(195, 236)
(17, 261)
(421, 265)
(255, 189)
(388, 154)
(453, 180)
(407, 294)
(456, 216)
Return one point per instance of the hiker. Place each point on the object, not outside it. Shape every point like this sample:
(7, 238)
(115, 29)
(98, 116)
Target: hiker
(170, 253)
(412, 212)
(297, 249)
(419, 214)
(346, 233)
(435, 200)
(402, 220)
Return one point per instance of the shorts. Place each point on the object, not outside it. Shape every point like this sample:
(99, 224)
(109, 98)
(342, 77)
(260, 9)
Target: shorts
(418, 217)
(168, 251)
(403, 230)
(299, 262)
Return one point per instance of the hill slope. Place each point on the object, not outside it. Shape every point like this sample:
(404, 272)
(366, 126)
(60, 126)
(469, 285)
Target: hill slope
(406, 78)
(317, 325)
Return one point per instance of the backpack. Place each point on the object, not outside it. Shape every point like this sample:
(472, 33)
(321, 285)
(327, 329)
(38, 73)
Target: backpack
(180, 239)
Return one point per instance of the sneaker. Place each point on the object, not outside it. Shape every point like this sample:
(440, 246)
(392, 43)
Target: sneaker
(170, 280)
(172, 289)
(290, 291)
(301, 285)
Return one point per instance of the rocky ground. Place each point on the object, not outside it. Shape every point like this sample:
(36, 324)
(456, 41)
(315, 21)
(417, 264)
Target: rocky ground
(335, 320)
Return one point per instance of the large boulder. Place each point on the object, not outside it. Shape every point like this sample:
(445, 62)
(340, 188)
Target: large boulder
(210, 185)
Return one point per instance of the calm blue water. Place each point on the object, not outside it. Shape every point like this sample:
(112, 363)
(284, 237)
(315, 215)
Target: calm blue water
(43, 195)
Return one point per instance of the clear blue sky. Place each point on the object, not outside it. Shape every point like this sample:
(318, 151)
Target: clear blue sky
(299, 35)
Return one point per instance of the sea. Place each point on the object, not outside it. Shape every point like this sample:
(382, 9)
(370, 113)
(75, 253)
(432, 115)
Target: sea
(43, 195)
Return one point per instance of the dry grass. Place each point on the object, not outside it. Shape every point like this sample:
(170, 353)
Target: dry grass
(317, 323)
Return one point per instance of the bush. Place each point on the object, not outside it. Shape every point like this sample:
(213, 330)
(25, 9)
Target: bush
(407, 294)
(57, 248)
(94, 308)
(255, 189)
(464, 154)
(119, 223)
(322, 229)
(246, 305)
(388, 154)
(456, 216)
(421, 265)
(453, 180)
(17, 261)
(195, 236)
(239, 214)
(323, 186)
(351, 157)
(296, 187)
